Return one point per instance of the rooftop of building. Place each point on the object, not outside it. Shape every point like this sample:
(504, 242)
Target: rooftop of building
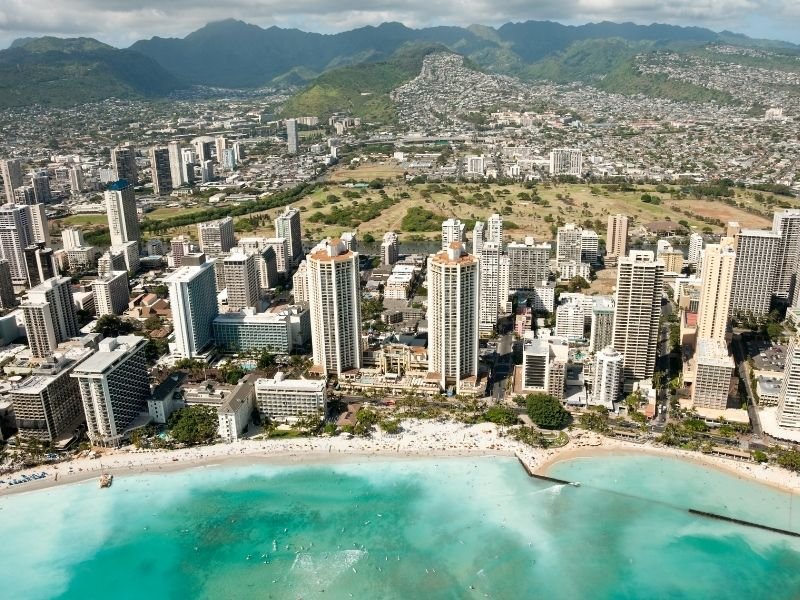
(281, 382)
(109, 352)
(713, 353)
(187, 273)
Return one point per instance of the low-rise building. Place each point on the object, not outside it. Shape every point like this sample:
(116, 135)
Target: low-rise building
(283, 399)
(277, 331)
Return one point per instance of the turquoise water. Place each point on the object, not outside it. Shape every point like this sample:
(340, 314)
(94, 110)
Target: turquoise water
(455, 528)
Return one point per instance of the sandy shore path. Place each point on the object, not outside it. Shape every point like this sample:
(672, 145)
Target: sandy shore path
(419, 439)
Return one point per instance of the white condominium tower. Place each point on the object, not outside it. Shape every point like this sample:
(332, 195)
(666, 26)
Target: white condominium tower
(123, 222)
(291, 136)
(15, 236)
(161, 169)
(715, 291)
(789, 399)
(452, 231)
(787, 224)
(50, 316)
(529, 264)
(192, 294)
(640, 284)
(607, 380)
(334, 291)
(696, 244)
(490, 299)
(566, 161)
(390, 248)
(712, 381)
(757, 253)
(216, 237)
(12, 176)
(478, 237)
(114, 386)
(176, 164)
(453, 298)
(111, 293)
(123, 162)
(287, 225)
(617, 237)
(242, 280)
(494, 229)
(569, 240)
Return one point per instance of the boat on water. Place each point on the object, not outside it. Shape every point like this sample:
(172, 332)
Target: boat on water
(106, 479)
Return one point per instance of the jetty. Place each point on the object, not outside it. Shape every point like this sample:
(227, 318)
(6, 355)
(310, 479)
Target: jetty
(711, 515)
(542, 477)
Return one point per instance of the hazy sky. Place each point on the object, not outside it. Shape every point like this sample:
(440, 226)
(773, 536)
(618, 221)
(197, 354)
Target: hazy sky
(121, 22)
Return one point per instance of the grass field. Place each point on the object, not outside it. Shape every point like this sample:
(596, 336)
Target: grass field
(579, 203)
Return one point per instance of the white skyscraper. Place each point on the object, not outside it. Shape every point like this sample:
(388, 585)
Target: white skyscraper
(478, 237)
(602, 327)
(111, 293)
(176, 164)
(787, 224)
(291, 136)
(390, 248)
(568, 243)
(40, 230)
(15, 236)
(216, 237)
(76, 180)
(287, 225)
(12, 176)
(712, 382)
(715, 292)
(452, 231)
(696, 244)
(50, 316)
(640, 283)
(494, 229)
(789, 399)
(529, 264)
(123, 222)
(192, 294)
(490, 286)
(334, 290)
(453, 298)
(566, 161)
(757, 253)
(114, 386)
(590, 247)
(607, 379)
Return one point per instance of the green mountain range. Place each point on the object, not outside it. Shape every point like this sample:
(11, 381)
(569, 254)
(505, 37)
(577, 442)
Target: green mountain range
(63, 72)
(352, 70)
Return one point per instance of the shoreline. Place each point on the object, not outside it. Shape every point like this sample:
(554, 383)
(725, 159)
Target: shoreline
(419, 440)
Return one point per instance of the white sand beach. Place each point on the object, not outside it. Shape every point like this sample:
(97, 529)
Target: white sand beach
(419, 439)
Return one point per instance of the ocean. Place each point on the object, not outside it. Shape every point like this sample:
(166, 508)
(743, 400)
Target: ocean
(433, 528)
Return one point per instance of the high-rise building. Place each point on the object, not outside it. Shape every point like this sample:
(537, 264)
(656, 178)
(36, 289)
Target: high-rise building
(300, 283)
(602, 328)
(452, 231)
(7, 297)
(787, 224)
(216, 237)
(241, 279)
(47, 405)
(788, 414)
(15, 236)
(712, 381)
(607, 378)
(453, 314)
(229, 159)
(40, 229)
(161, 171)
(71, 237)
(568, 243)
(478, 237)
(220, 143)
(590, 247)
(617, 237)
(40, 183)
(123, 163)
(39, 263)
(180, 247)
(123, 221)
(283, 261)
(715, 294)
(202, 148)
(76, 180)
(334, 290)
(529, 265)
(287, 225)
(291, 136)
(12, 176)
(757, 253)
(24, 195)
(207, 171)
(566, 161)
(50, 316)
(640, 283)
(696, 243)
(111, 293)
(176, 164)
(544, 363)
(489, 297)
(390, 248)
(114, 386)
(192, 295)
(570, 320)
(494, 229)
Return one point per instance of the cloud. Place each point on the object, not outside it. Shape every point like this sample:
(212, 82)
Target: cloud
(122, 22)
